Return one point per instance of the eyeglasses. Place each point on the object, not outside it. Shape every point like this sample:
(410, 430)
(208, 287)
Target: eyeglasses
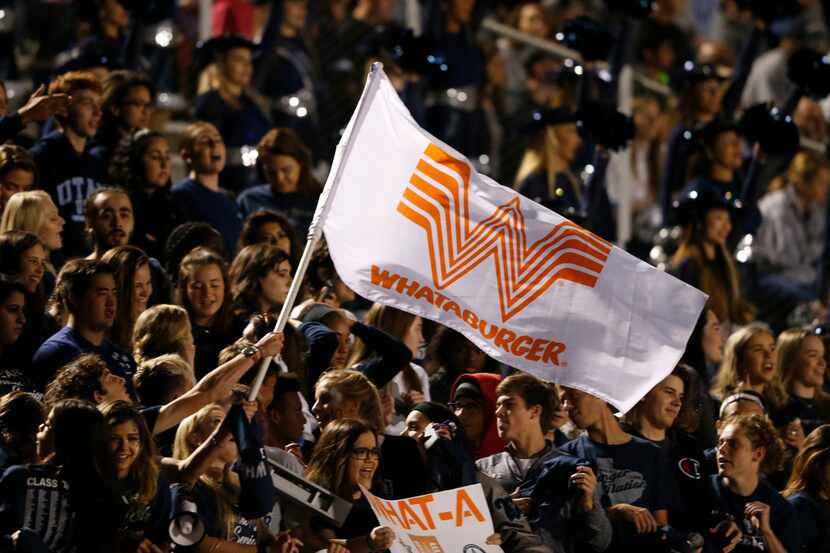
(363, 453)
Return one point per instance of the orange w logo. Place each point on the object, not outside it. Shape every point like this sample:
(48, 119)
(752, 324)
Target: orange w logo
(437, 201)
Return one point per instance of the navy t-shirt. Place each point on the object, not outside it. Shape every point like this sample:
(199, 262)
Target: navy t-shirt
(36, 497)
(814, 522)
(217, 208)
(145, 520)
(726, 505)
(636, 472)
(67, 345)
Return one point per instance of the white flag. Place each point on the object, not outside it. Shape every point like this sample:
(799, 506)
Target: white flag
(412, 225)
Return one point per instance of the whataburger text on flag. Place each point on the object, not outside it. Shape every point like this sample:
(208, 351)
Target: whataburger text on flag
(411, 224)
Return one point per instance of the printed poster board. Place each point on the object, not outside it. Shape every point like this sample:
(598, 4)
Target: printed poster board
(452, 521)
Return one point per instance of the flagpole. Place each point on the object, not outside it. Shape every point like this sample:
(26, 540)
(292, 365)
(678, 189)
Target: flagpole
(315, 230)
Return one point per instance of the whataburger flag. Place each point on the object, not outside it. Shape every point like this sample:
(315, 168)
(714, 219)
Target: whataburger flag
(410, 224)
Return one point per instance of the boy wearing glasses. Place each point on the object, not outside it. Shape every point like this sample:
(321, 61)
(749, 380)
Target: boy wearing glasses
(199, 197)
(68, 167)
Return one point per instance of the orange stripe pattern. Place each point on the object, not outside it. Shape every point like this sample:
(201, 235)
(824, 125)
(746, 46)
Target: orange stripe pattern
(437, 200)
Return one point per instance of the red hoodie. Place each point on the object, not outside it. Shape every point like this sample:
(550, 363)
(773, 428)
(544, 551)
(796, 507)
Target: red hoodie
(487, 383)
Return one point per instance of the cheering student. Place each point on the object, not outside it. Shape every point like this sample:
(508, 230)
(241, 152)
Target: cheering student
(668, 416)
(110, 223)
(452, 467)
(323, 284)
(545, 174)
(66, 500)
(108, 215)
(747, 514)
(702, 258)
(135, 286)
(230, 106)
(268, 226)
(141, 164)
(808, 490)
(749, 364)
(347, 456)
(412, 382)
(524, 413)
(473, 401)
(199, 197)
(160, 330)
(21, 414)
(449, 355)
(17, 172)
(634, 473)
(146, 496)
(259, 280)
(704, 353)
(328, 334)
(348, 394)
(68, 169)
(207, 450)
(127, 104)
(12, 321)
(87, 293)
(803, 366)
(204, 291)
(35, 212)
(86, 378)
(290, 187)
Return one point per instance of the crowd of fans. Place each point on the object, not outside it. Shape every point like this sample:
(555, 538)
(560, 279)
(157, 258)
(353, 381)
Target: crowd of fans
(146, 248)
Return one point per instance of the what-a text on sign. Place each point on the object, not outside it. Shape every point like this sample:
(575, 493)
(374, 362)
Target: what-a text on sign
(452, 521)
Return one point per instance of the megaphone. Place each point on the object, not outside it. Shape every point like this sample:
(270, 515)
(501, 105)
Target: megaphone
(186, 527)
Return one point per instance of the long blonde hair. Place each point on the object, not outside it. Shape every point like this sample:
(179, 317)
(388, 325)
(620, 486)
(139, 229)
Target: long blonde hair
(542, 153)
(160, 329)
(350, 385)
(25, 211)
(731, 376)
(192, 431)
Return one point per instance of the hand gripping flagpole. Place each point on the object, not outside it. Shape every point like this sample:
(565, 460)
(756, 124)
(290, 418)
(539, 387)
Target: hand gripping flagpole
(315, 230)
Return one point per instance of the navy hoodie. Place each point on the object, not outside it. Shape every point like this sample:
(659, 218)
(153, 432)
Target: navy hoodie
(70, 179)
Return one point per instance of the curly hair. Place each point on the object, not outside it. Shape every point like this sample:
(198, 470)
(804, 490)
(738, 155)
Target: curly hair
(761, 434)
(127, 165)
(79, 379)
(329, 463)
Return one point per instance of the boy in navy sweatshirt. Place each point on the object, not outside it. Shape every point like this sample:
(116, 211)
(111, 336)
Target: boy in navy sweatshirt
(67, 169)
(199, 197)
